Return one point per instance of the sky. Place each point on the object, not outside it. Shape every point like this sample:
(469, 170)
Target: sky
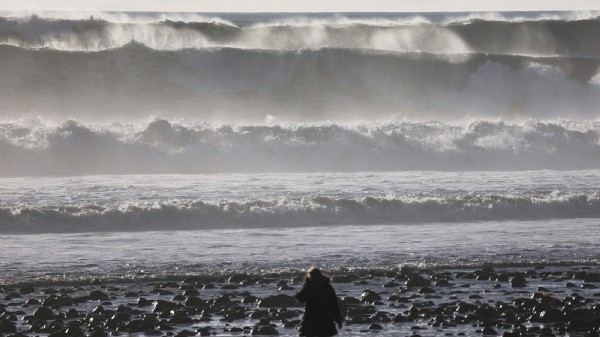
(298, 5)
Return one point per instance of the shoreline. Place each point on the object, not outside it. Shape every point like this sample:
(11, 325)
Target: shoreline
(510, 301)
(218, 272)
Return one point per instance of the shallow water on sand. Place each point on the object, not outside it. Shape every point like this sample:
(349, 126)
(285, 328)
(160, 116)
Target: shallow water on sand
(163, 253)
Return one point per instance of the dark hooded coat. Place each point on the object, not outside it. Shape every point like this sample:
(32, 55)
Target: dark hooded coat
(321, 309)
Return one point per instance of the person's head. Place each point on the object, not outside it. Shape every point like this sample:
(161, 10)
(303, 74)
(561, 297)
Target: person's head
(315, 277)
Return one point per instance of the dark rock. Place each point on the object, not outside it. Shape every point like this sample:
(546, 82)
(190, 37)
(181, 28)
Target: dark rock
(579, 325)
(551, 315)
(142, 302)
(375, 326)
(26, 290)
(178, 298)
(222, 301)
(162, 291)
(417, 281)
(278, 301)
(98, 333)
(181, 319)
(153, 332)
(120, 317)
(442, 283)
(191, 292)
(250, 299)
(391, 284)
(488, 331)
(44, 314)
(32, 301)
(9, 316)
(426, 290)
(258, 314)
(369, 296)
(7, 327)
(97, 295)
(193, 301)
(235, 315)
(399, 318)
(508, 314)
(349, 300)
(185, 333)
(11, 296)
(164, 327)
(72, 313)
(518, 281)
(162, 305)
(238, 278)
(57, 334)
(98, 310)
(265, 330)
(203, 331)
(192, 279)
(525, 304)
(486, 313)
(74, 331)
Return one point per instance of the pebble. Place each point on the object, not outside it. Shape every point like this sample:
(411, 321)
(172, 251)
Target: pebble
(535, 304)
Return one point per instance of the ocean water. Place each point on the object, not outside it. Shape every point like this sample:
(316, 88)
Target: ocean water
(143, 145)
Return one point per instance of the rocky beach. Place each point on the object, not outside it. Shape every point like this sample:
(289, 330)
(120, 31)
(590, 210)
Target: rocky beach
(512, 301)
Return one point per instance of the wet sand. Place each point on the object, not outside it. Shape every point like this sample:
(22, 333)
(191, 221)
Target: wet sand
(532, 301)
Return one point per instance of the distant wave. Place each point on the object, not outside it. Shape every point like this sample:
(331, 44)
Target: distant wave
(493, 34)
(134, 81)
(284, 212)
(170, 147)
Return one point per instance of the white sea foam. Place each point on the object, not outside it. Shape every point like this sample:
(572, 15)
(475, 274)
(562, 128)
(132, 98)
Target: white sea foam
(548, 35)
(160, 146)
(284, 212)
(224, 201)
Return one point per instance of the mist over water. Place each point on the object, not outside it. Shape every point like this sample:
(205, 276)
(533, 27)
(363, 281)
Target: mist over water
(97, 97)
(120, 67)
(113, 122)
(149, 145)
(32, 148)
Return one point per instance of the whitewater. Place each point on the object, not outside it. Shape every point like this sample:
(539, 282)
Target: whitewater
(152, 144)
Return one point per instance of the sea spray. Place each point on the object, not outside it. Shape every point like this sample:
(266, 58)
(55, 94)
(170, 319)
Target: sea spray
(123, 68)
(160, 146)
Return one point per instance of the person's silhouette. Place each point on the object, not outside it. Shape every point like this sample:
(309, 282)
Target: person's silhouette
(321, 310)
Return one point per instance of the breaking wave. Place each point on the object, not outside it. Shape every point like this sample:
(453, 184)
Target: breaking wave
(550, 35)
(226, 85)
(123, 67)
(308, 211)
(161, 146)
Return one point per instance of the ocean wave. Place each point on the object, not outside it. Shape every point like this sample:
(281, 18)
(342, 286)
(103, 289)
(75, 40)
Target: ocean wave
(162, 146)
(290, 212)
(134, 81)
(492, 33)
